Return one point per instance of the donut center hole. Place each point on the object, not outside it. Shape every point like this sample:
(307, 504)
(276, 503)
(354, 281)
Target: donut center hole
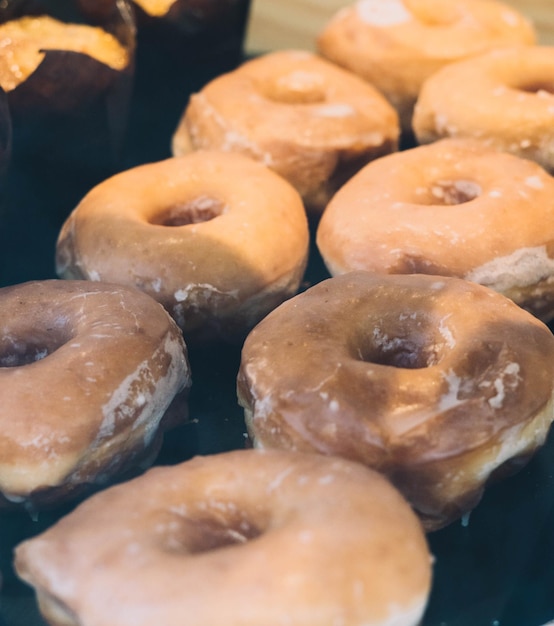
(400, 352)
(450, 192)
(436, 12)
(298, 87)
(203, 535)
(541, 88)
(21, 353)
(195, 211)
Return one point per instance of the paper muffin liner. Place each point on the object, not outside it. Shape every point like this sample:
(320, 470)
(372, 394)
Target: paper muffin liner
(73, 109)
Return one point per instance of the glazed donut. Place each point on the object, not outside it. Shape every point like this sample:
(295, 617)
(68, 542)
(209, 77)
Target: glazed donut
(218, 239)
(397, 44)
(452, 208)
(438, 383)
(242, 538)
(504, 98)
(87, 375)
(311, 122)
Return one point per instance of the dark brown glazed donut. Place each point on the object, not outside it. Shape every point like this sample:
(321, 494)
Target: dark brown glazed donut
(87, 373)
(436, 382)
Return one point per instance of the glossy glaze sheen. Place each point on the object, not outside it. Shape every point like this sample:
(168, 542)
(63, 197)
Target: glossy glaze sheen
(87, 373)
(245, 538)
(434, 381)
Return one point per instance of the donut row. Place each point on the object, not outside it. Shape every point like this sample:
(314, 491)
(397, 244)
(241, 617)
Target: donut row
(381, 400)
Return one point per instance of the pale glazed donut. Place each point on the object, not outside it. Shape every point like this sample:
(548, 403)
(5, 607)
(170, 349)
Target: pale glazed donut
(438, 383)
(397, 44)
(87, 373)
(241, 538)
(217, 238)
(310, 121)
(452, 208)
(504, 98)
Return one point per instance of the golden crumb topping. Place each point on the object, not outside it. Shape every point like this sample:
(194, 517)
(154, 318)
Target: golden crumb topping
(23, 42)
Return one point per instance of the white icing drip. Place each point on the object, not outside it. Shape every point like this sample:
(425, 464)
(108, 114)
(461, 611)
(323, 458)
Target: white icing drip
(231, 139)
(507, 379)
(326, 480)
(400, 616)
(93, 275)
(200, 293)
(276, 482)
(386, 343)
(510, 18)
(383, 12)
(446, 333)
(44, 442)
(522, 268)
(534, 181)
(518, 439)
(151, 405)
(300, 80)
(450, 399)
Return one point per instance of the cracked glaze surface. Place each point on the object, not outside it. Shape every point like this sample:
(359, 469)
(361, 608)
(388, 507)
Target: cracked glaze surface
(417, 376)
(99, 364)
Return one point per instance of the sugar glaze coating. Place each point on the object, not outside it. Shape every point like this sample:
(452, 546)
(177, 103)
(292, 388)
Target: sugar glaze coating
(307, 119)
(245, 537)
(396, 45)
(504, 98)
(87, 373)
(437, 382)
(218, 239)
(456, 207)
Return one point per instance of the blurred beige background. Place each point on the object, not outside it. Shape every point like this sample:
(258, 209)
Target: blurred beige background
(294, 23)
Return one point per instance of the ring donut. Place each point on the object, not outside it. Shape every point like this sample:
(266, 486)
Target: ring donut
(87, 373)
(242, 538)
(396, 45)
(217, 238)
(308, 120)
(505, 98)
(393, 372)
(451, 208)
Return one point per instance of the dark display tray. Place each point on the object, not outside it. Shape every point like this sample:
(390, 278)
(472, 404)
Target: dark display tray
(495, 570)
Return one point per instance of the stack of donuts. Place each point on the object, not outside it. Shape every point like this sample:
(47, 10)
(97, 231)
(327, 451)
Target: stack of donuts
(382, 394)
